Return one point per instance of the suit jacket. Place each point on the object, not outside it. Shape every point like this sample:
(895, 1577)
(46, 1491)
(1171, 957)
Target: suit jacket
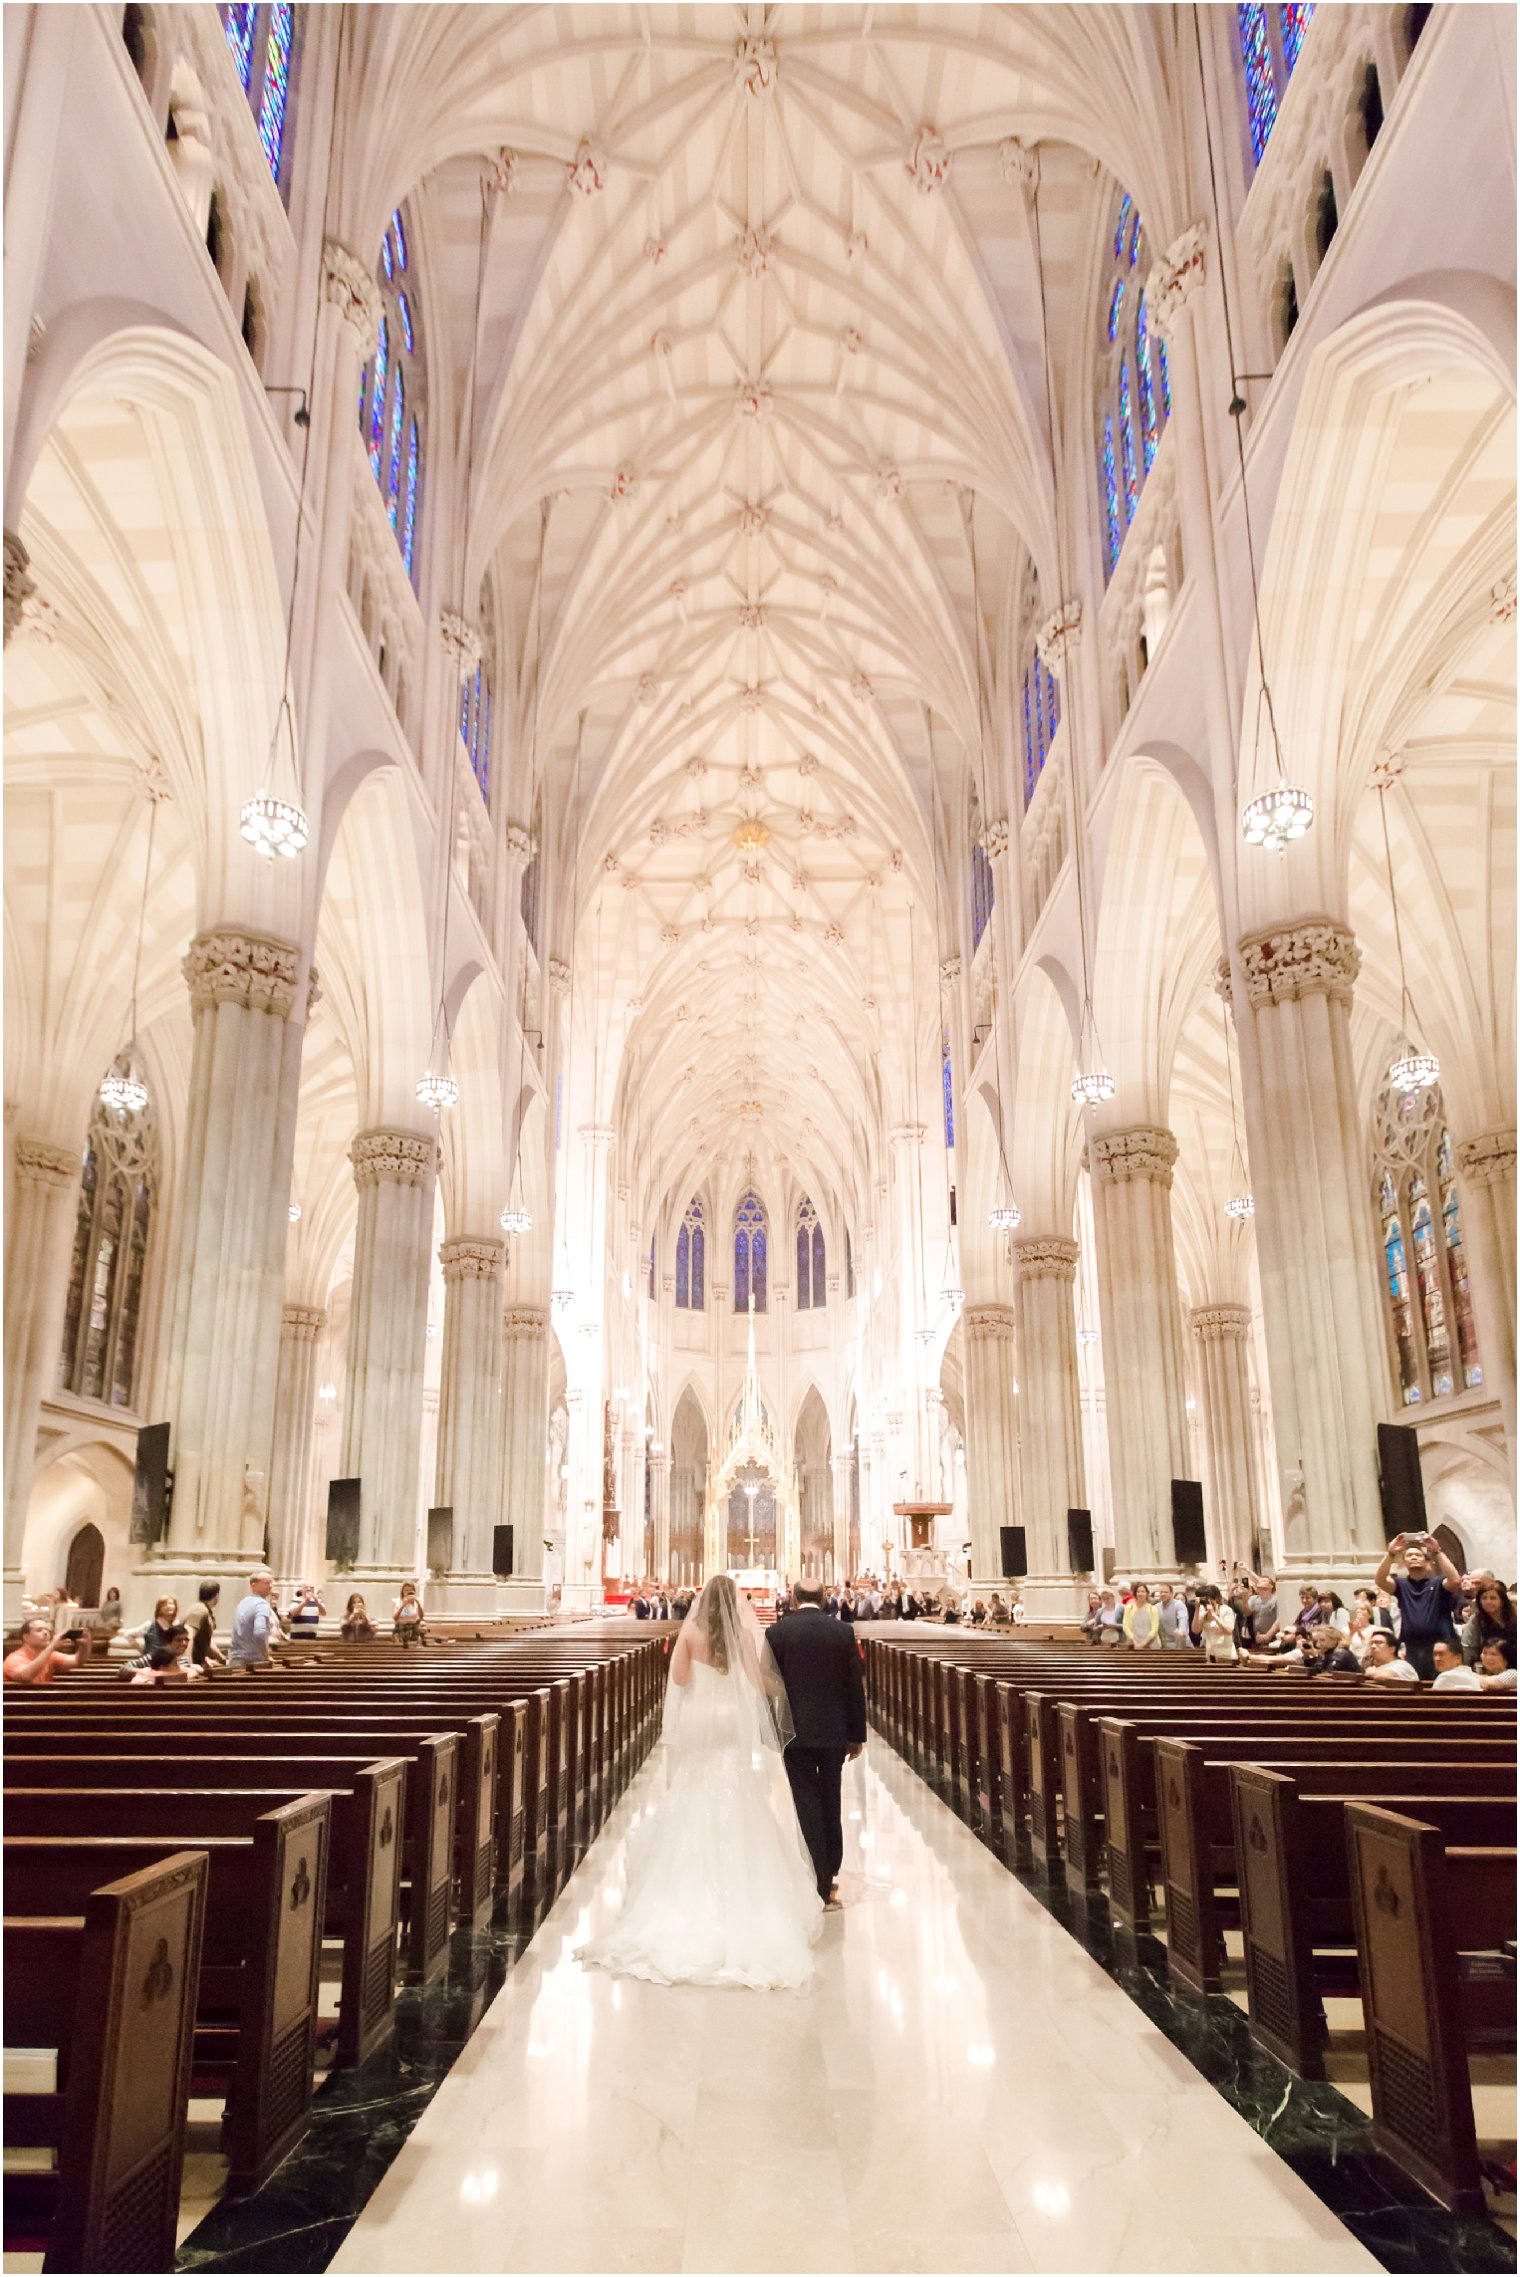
(820, 1666)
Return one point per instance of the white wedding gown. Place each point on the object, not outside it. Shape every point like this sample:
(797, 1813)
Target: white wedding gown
(720, 1889)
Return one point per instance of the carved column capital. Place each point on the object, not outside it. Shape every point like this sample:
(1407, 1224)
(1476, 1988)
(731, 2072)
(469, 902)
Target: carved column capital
(597, 1134)
(950, 971)
(1059, 638)
(559, 976)
(468, 1259)
(1176, 278)
(1487, 1161)
(989, 1324)
(462, 643)
(518, 841)
(995, 838)
(20, 585)
(230, 966)
(1146, 1151)
(43, 1164)
(523, 1323)
(302, 1324)
(908, 1134)
(1314, 956)
(1045, 1257)
(1221, 1324)
(349, 287)
(403, 1157)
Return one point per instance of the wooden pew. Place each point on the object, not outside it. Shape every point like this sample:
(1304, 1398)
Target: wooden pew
(112, 1991)
(1296, 1912)
(1431, 1922)
(256, 2006)
(188, 1796)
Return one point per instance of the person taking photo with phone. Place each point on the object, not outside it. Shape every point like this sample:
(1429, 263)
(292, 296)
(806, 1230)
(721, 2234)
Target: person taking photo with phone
(1427, 1594)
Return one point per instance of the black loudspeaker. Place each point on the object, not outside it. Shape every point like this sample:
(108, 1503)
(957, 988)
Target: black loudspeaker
(501, 1552)
(1189, 1546)
(342, 1521)
(152, 1485)
(1399, 1479)
(440, 1539)
(1079, 1541)
(1015, 1558)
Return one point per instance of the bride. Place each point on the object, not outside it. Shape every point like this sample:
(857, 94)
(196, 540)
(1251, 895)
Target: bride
(720, 1889)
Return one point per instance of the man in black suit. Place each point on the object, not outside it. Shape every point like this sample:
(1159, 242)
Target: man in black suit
(819, 1662)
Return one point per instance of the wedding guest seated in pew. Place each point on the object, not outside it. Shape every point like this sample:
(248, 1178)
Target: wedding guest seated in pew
(1328, 1654)
(1496, 1665)
(1379, 1610)
(37, 1656)
(357, 1626)
(1492, 1616)
(173, 1662)
(408, 1620)
(1385, 1663)
(1452, 1671)
(201, 1623)
(149, 1635)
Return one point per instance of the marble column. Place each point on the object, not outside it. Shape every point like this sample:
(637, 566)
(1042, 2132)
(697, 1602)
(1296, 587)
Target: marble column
(1142, 1340)
(1326, 1349)
(233, 1224)
(469, 1415)
(842, 1470)
(394, 1172)
(1231, 1501)
(525, 1440)
(1487, 1167)
(659, 1502)
(1051, 1475)
(294, 1549)
(38, 1242)
(992, 1436)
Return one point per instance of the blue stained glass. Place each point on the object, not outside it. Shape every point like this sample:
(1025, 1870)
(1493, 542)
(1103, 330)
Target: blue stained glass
(1110, 494)
(240, 23)
(1295, 22)
(483, 771)
(276, 84)
(1114, 306)
(949, 1091)
(1127, 441)
(1150, 433)
(398, 420)
(1055, 704)
(377, 397)
(1166, 384)
(1031, 770)
(757, 1268)
(465, 695)
(387, 261)
(1125, 206)
(409, 525)
(749, 1254)
(398, 227)
(406, 322)
(1134, 240)
(1261, 85)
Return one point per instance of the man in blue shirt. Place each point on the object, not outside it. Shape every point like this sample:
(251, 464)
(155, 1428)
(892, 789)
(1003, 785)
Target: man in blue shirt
(1427, 1594)
(254, 1624)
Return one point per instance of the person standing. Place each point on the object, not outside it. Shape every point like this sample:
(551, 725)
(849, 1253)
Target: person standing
(1214, 1625)
(1426, 1593)
(819, 1662)
(1172, 1613)
(1142, 1621)
(200, 1622)
(254, 1625)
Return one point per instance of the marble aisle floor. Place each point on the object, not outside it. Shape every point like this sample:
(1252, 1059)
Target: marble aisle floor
(962, 2089)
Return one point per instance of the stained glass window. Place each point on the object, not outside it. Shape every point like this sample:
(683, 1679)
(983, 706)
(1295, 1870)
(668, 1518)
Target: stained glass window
(1134, 384)
(1110, 494)
(1261, 82)
(812, 1281)
(241, 21)
(1397, 1271)
(1166, 382)
(849, 1264)
(1150, 432)
(392, 403)
(1126, 206)
(1134, 240)
(983, 892)
(276, 85)
(1295, 22)
(398, 230)
(377, 397)
(651, 1267)
(398, 422)
(1127, 440)
(405, 307)
(409, 537)
(1456, 1259)
(691, 1242)
(1114, 307)
(113, 1226)
(749, 1254)
(1430, 1314)
(949, 1089)
(387, 258)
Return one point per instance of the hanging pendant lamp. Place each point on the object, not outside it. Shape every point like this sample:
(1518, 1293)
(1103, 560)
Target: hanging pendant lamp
(1411, 1069)
(123, 1089)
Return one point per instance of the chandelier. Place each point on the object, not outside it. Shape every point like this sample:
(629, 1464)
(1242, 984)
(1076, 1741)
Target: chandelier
(1240, 1206)
(1092, 1087)
(1410, 1069)
(122, 1088)
(274, 826)
(294, 1213)
(1274, 818)
(516, 1220)
(123, 1092)
(1006, 1218)
(437, 1091)
(1414, 1071)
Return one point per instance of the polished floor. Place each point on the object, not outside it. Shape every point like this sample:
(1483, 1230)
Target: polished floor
(964, 2088)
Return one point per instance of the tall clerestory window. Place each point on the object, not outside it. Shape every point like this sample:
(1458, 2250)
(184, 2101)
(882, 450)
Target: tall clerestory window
(263, 40)
(1270, 40)
(749, 1254)
(983, 892)
(812, 1273)
(947, 1077)
(691, 1261)
(1134, 379)
(393, 390)
(1427, 1300)
(112, 1230)
(475, 696)
(1041, 694)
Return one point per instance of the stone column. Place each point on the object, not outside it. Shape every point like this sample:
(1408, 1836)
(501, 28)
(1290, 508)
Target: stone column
(992, 1436)
(1142, 1340)
(1315, 1239)
(659, 1503)
(841, 1473)
(39, 1241)
(469, 1416)
(1487, 1165)
(394, 1172)
(293, 1546)
(233, 1224)
(1232, 1503)
(525, 1445)
(1051, 1475)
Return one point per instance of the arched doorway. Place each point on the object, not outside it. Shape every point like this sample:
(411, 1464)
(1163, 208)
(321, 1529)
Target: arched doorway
(87, 1561)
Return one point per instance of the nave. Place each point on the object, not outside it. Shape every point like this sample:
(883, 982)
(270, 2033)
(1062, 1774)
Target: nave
(963, 2089)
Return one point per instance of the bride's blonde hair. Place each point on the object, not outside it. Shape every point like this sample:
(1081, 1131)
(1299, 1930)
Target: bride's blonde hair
(722, 1613)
